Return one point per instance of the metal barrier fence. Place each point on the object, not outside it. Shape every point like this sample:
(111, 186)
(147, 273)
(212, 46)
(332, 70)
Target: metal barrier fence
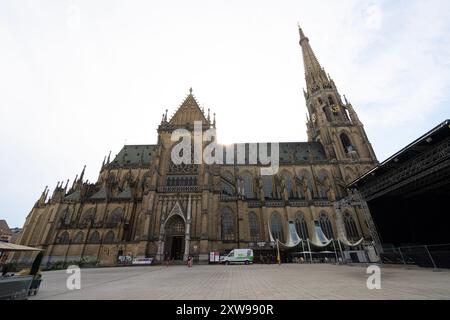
(428, 256)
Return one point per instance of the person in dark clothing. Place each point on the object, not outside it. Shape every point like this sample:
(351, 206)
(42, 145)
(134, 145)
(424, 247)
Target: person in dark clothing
(5, 269)
(167, 258)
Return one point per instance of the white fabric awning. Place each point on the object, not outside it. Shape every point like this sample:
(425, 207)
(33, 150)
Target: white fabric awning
(6, 246)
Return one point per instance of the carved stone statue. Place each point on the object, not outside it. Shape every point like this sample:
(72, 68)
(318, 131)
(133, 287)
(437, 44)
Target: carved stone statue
(306, 189)
(326, 188)
(282, 184)
(302, 182)
(240, 186)
(331, 194)
(284, 190)
(147, 182)
(321, 186)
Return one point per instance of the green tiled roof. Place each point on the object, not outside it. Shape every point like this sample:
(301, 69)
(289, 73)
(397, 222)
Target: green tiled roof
(101, 194)
(75, 196)
(126, 194)
(293, 152)
(134, 155)
(290, 153)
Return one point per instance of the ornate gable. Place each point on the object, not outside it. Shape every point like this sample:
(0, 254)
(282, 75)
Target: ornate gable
(188, 113)
(176, 210)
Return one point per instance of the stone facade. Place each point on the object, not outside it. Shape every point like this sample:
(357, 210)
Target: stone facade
(144, 205)
(5, 231)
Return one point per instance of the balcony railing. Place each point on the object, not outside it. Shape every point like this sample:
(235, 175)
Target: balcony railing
(275, 203)
(254, 203)
(322, 203)
(298, 203)
(172, 189)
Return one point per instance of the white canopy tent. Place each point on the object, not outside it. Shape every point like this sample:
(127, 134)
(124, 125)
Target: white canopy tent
(6, 246)
(318, 239)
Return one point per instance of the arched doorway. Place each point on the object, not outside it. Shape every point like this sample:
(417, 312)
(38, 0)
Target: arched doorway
(175, 237)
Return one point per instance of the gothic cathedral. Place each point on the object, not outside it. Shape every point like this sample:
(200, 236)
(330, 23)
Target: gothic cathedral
(144, 205)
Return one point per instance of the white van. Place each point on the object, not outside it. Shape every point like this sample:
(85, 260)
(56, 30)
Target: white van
(238, 256)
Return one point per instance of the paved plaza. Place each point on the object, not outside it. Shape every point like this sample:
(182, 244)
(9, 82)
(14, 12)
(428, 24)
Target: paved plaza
(288, 281)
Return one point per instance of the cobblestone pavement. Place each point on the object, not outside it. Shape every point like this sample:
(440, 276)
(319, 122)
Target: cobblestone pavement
(247, 283)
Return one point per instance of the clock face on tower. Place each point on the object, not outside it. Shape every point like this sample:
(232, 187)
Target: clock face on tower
(335, 109)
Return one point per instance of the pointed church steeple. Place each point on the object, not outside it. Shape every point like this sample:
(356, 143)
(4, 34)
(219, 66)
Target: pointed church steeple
(331, 122)
(43, 197)
(82, 174)
(315, 75)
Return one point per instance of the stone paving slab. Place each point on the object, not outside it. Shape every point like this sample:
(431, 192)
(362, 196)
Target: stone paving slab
(254, 282)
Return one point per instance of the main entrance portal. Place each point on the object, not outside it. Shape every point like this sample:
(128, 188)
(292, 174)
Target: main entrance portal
(176, 252)
(175, 238)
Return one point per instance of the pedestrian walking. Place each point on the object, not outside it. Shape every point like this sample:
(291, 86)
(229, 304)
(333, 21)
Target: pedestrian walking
(167, 258)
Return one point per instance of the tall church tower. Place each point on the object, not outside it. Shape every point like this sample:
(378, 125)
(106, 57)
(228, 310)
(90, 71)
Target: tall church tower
(331, 121)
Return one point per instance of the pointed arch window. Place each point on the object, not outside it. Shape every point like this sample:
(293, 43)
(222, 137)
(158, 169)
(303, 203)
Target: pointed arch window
(65, 216)
(325, 224)
(276, 227)
(350, 227)
(326, 111)
(94, 238)
(116, 216)
(79, 237)
(301, 226)
(253, 225)
(109, 237)
(331, 101)
(64, 238)
(176, 226)
(346, 143)
(227, 184)
(88, 216)
(248, 185)
(227, 225)
(227, 188)
(268, 187)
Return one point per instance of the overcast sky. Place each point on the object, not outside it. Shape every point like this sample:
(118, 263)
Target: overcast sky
(81, 78)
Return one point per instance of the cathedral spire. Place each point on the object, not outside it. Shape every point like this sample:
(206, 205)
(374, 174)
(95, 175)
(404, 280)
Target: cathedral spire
(82, 174)
(314, 73)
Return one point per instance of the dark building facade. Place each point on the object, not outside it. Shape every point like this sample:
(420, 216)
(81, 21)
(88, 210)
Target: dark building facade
(143, 204)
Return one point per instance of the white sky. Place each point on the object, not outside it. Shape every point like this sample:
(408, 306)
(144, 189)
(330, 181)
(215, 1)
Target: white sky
(79, 78)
